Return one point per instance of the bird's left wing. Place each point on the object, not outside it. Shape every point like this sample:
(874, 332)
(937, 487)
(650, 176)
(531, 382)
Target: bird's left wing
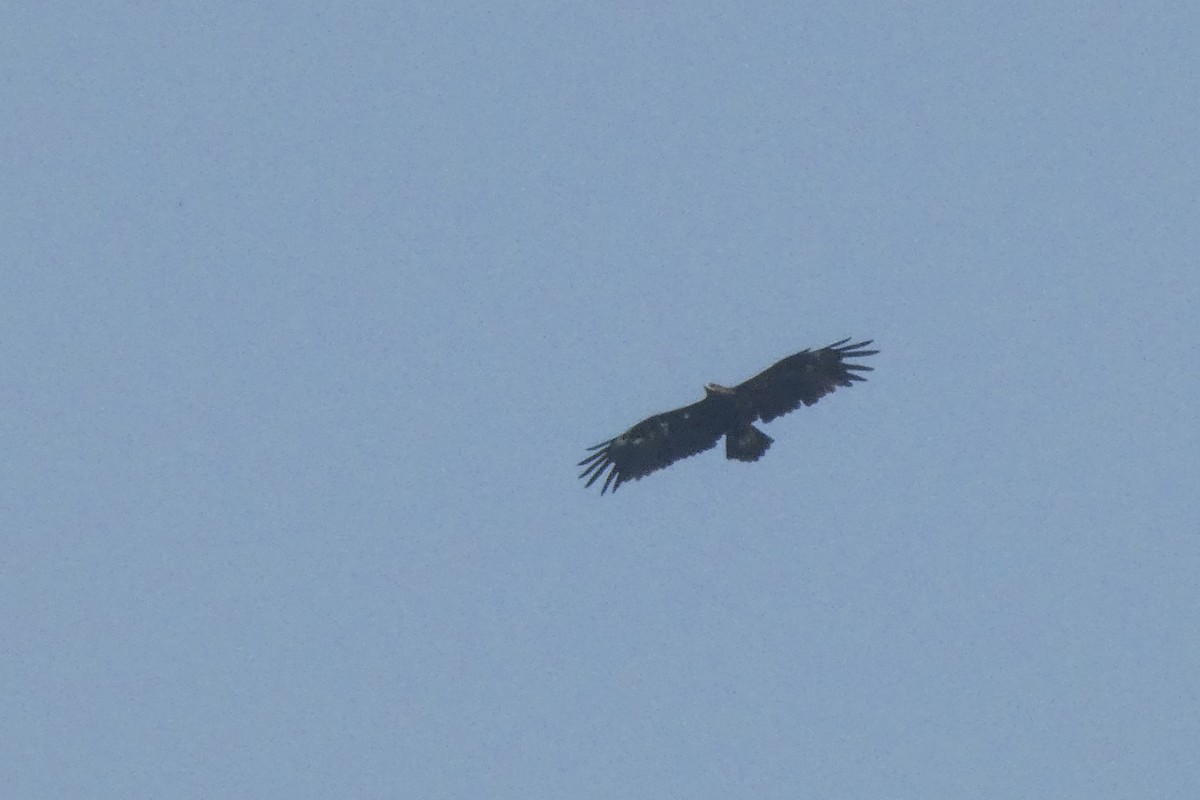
(654, 443)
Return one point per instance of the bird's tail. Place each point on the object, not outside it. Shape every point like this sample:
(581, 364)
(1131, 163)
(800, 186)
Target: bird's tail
(746, 444)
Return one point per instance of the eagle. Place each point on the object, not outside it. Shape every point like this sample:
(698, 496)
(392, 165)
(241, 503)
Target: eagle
(729, 411)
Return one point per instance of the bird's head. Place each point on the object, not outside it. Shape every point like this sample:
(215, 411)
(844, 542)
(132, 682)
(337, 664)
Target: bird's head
(711, 389)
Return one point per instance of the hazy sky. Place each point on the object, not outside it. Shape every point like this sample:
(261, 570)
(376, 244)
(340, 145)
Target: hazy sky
(308, 312)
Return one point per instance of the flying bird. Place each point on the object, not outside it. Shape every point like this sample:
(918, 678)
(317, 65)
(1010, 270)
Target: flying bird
(661, 440)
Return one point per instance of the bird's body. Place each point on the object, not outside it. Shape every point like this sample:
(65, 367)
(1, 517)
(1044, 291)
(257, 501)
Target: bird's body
(661, 440)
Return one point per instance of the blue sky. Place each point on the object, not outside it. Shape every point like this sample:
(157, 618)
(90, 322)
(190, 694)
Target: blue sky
(308, 313)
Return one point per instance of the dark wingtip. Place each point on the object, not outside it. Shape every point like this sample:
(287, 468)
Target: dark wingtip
(855, 350)
(596, 466)
(592, 457)
(841, 345)
(596, 472)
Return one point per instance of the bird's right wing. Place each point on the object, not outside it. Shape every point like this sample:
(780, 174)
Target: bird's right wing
(804, 378)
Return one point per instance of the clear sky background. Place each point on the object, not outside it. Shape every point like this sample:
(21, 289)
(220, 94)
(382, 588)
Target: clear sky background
(308, 312)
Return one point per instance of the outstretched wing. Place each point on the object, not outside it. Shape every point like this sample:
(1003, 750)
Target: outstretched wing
(804, 378)
(655, 443)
